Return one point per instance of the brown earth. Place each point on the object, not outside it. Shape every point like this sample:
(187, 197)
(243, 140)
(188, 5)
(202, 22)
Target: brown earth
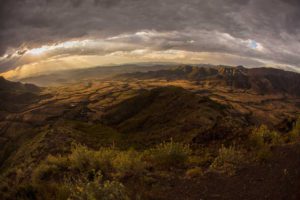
(278, 179)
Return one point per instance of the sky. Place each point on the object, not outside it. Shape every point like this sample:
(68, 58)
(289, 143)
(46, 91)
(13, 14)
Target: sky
(42, 36)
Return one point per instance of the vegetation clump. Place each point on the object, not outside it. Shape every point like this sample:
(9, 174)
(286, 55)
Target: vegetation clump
(261, 139)
(194, 172)
(85, 189)
(88, 174)
(295, 132)
(262, 136)
(108, 161)
(91, 174)
(105, 173)
(227, 161)
(168, 155)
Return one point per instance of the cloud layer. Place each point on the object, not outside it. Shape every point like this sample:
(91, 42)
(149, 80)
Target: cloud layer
(261, 31)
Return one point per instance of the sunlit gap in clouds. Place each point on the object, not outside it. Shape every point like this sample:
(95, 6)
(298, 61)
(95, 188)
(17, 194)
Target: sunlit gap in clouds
(63, 45)
(255, 45)
(47, 66)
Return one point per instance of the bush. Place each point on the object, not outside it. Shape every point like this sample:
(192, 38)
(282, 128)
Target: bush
(82, 158)
(44, 173)
(102, 160)
(128, 163)
(203, 160)
(108, 161)
(264, 154)
(261, 139)
(295, 132)
(262, 136)
(25, 191)
(227, 161)
(167, 155)
(79, 175)
(90, 174)
(97, 189)
(51, 168)
(52, 190)
(194, 172)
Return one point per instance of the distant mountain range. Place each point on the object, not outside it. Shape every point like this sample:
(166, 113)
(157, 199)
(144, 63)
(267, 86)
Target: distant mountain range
(260, 80)
(100, 72)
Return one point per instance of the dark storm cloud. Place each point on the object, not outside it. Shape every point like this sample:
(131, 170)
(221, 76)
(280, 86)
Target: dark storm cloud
(274, 24)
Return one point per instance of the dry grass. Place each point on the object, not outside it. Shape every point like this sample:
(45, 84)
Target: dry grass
(228, 160)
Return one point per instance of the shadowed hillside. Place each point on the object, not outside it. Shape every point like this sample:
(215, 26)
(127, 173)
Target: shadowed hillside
(172, 112)
(17, 87)
(15, 95)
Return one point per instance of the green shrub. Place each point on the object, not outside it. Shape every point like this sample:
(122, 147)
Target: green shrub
(97, 189)
(90, 174)
(227, 161)
(203, 160)
(82, 158)
(60, 161)
(194, 172)
(55, 181)
(167, 155)
(51, 168)
(295, 132)
(128, 163)
(263, 154)
(86, 174)
(262, 136)
(261, 139)
(4, 188)
(44, 172)
(25, 191)
(53, 190)
(108, 161)
(103, 160)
